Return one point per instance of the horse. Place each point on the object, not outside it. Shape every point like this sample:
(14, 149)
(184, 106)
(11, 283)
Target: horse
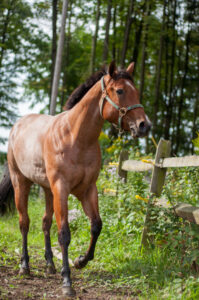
(61, 153)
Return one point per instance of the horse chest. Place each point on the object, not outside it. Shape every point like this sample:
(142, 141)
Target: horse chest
(86, 177)
(84, 172)
(78, 170)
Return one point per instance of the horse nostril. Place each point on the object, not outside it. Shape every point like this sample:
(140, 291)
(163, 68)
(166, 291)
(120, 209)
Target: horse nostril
(142, 126)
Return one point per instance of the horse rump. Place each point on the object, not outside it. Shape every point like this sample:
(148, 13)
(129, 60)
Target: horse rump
(6, 193)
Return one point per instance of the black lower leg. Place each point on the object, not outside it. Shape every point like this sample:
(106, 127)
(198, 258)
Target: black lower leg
(96, 226)
(48, 250)
(46, 225)
(64, 240)
(49, 255)
(24, 258)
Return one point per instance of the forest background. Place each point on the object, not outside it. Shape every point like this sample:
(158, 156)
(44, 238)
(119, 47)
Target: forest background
(160, 36)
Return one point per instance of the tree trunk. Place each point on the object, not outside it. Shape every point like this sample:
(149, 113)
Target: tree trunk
(106, 40)
(4, 32)
(114, 32)
(158, 73)
(127, 32)
(120, 21)
(181, 100)
(94, 41)
(171, 91)
(58, 60)
(144, 46)
(166, 59)
(66, 60)
(195, 118)
(54, 41)
(138, 34)
(196, 111)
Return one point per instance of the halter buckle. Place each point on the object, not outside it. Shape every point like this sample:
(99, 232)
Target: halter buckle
(122, 111)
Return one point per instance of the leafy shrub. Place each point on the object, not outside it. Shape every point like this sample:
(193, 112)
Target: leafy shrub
(196, 144)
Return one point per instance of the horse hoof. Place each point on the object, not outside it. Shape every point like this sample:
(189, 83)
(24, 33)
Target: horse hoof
(68, 291)
(79, 262)
(50, 269)
(24, 271)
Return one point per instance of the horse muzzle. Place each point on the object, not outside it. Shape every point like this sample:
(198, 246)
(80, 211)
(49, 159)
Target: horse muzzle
(140, 128)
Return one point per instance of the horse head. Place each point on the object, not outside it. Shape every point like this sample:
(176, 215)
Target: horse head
(120, 103)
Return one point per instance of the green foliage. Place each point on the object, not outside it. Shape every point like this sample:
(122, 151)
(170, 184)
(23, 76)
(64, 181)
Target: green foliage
(196, 144)
(177, 180)
(112, 147)
(165, 271)
(22, 43)
(26, 62)
(170, 265)
(3, 158)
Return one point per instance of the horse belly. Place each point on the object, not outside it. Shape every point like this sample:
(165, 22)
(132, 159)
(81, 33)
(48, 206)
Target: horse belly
(35, 171)
(26, 144)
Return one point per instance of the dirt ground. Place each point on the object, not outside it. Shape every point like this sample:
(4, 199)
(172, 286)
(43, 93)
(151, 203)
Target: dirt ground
(38, 285)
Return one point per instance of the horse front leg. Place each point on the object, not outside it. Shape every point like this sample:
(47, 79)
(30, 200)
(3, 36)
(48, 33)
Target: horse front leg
(47, 222)
(90, 206)
(60, 201)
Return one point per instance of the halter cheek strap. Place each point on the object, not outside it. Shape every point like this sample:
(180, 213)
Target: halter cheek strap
(122, 110)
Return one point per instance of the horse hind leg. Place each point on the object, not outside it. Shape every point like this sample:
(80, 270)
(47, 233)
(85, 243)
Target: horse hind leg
(21, 190)
(90, 205)
(47, 222)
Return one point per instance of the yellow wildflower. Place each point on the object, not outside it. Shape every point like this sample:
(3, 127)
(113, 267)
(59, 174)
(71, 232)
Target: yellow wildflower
(140, 198)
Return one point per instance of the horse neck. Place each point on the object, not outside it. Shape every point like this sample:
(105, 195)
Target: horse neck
(85, 119)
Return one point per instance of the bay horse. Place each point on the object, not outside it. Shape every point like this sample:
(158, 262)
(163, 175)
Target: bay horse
(61, 153)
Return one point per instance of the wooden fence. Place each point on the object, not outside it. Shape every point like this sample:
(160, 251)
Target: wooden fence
(159, 167)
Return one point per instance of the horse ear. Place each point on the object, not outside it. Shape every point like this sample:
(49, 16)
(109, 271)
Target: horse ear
(112, 68)
(130, 68)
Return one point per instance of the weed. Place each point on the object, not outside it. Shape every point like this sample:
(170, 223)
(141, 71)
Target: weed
(165, 271)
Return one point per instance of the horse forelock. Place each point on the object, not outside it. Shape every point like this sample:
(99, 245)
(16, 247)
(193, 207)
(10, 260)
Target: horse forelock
(122, 75)
(83, 88)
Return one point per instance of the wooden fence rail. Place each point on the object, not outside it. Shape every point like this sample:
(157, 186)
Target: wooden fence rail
(170, 162)
(159, 166)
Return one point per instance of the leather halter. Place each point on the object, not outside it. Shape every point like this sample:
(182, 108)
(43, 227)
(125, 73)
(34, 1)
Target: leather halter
(122, 110)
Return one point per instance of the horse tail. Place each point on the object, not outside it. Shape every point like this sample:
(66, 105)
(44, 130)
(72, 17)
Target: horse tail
(6, 193)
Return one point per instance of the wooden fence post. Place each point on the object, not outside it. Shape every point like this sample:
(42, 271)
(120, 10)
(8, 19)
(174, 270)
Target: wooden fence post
(157, 183)
(122, 173)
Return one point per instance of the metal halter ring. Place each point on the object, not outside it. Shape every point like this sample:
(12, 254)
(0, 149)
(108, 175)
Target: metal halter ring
(122, 111)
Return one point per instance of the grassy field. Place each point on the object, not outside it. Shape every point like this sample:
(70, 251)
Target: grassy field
(167, 270)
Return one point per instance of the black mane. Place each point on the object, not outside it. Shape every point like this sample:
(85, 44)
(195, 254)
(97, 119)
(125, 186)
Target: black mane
(82, 89)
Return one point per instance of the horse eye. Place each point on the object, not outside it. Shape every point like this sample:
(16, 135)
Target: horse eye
(119, 92)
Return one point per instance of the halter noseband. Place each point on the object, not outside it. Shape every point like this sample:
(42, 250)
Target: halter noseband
(122, 110)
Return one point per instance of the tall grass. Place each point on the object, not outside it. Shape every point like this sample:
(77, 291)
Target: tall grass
(161, 272)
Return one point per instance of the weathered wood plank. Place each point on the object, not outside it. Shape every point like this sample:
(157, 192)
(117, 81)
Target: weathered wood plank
(170, 162)
(158, 176)
(178, 162)
(136, 166)
(187, 212)
(157, 182)
(145, 238)
(122, 173)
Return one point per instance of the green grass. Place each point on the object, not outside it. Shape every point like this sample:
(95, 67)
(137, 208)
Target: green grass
(156, 273)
